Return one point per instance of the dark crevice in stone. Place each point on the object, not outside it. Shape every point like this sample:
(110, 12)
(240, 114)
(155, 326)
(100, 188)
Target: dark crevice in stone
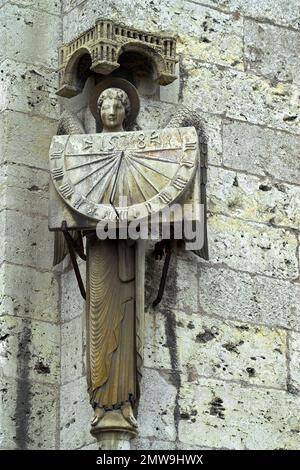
(205, 337)
(2, 338)
(217, 408)
(23, 400)
(41, 368)
(171, 343)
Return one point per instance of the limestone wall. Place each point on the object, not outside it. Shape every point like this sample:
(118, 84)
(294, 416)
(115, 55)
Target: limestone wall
(222, 349)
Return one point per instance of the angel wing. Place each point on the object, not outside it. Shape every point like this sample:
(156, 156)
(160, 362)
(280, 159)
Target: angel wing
(185, 117)
(68, 124)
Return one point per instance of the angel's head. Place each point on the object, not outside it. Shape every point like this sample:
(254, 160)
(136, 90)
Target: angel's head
(113, 106)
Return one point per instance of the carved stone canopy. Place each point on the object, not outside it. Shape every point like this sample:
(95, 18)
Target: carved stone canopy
(100, 47)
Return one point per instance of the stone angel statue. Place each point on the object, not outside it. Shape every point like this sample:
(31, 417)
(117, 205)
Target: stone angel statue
(114, 280)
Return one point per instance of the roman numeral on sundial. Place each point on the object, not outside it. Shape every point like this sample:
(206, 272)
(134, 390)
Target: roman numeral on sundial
(56, 155)
(189, 145)
(66, 190)
(179, 182)
(165, 197)
(57, 173)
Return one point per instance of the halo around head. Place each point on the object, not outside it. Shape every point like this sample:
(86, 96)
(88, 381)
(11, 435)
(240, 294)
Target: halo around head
(115, 82)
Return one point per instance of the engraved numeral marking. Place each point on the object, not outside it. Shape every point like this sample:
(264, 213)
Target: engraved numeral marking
(57, 173)
(79, 201)
(141, 141)
(188, 163)
(66, 190)
(165, 197)
(179, 182)
(149, 207)
(154, 138)
(88, 143)
(91, 210)
(189, 145)
(56, 155)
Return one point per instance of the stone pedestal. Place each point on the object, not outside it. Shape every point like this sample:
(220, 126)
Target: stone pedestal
(113, 431)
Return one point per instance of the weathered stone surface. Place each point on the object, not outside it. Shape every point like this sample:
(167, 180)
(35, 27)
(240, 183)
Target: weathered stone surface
(181, 284)
(253, 198)
(93, 446)
(75, 415)
(72, 304)
(256, 248)
(29, 36)
(294, 350)
(28, 415)
(158, 419)
(142, 444)
(283, 13)
(262, 151)
(156, 115)
(53, 6)
(31, 348)
(71, 350)
(24, 189)
(33, 243)
(272, 51)
(253, 299)
(241, 96)
(231, 351)
(156, 351)
(202, 32)
(221, 349)
(28, 88)
(26, 139)
(28, 293)
(218, 414)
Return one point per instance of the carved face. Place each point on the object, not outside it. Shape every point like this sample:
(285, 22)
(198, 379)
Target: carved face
(113, 105)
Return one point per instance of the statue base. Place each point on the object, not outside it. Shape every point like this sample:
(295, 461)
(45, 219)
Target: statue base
(113, 431)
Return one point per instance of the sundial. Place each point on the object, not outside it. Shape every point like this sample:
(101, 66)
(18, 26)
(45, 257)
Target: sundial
(123, 173)
(126, 174)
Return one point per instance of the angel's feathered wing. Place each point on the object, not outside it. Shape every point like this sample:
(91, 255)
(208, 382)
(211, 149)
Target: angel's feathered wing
(68, 124)
(185, 117)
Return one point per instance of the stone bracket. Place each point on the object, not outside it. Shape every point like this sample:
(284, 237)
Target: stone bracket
(100, 48)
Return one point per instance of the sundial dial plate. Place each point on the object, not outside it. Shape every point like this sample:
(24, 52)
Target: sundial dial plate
(123, 175)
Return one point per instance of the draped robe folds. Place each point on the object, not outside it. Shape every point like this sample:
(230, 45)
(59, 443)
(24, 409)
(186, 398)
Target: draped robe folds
(113, 326)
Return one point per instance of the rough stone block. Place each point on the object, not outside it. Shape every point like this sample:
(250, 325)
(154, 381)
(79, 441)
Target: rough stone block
(253, 299)
(256, 248)
(282, 13)
(28, 415)
(294, 365)
(29, 349)
(75, 413)
(156, 351)
(29, 36)
(24, 189)
(202, 32)
(26, 140)
(272, 51)
(253, 198)
(227, 350)
(54, 6)
(245, 97)
(264, 152)
(29, 89)
(220, 414)
(26, 241)
(148, 444)
(71, 350)
(28, 293)
(181, 284)
(72, 304)
(157, 420)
